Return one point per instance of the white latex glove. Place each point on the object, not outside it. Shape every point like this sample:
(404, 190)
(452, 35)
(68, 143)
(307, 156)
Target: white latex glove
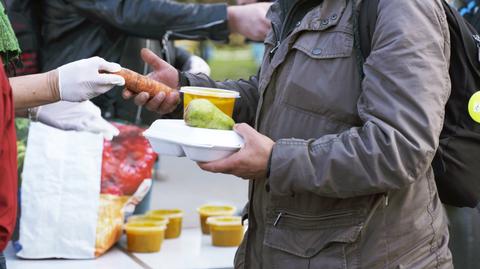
(83, 116)
(197, 65)
(81, 80)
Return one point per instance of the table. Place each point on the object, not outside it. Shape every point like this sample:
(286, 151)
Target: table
(191, 251)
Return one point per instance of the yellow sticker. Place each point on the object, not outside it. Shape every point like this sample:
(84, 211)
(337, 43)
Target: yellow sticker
(474, 107)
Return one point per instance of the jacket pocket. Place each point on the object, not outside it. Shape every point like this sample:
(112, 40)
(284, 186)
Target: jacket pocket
(323, 241)
(323, 78)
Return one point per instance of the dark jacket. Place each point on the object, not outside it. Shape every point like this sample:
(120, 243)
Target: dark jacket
(350, 184)
(116, 30)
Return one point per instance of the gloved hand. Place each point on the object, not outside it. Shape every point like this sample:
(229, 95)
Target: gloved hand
(197, 65)
(83, 116)
(81, 80)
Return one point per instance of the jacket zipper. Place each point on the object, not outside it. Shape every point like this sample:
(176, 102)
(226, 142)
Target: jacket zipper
(279, 38)
(277, 43)
(284, 214)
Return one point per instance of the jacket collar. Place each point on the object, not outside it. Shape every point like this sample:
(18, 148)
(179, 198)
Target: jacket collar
(319, 18)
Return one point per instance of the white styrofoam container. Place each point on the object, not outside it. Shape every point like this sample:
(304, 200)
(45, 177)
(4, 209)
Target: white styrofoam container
(175, 138)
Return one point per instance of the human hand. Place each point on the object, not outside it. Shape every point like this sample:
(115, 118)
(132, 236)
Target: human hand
(83, 116)
(81, 80)
(251, 161)
(249, 20)
(162, 72)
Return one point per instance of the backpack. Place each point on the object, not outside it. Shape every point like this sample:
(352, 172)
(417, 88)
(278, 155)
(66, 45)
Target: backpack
(456, 164)
(24, 16)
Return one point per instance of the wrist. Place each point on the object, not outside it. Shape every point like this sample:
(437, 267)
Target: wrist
(53, 85)
(232, 18)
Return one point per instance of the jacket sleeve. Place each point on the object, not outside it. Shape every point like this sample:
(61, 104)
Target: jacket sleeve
(245, 106)
(404, 92)
(152, 18)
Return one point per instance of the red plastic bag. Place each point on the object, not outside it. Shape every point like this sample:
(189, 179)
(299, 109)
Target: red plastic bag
(127, 160)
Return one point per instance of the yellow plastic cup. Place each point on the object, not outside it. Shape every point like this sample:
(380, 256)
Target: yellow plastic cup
(226, 231)
(174, 226)
(159, 220)
(207, 211)
(223, 99)
(144, 236)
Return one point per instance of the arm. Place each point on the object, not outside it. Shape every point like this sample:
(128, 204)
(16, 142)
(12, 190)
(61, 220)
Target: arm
(73, 82)
(152, 18)
(405, 89)
(34, 90)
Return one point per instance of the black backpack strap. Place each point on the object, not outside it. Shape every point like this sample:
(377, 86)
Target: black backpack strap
(367, 20)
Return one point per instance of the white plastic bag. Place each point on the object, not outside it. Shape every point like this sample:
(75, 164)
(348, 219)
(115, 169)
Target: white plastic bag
(60, 194)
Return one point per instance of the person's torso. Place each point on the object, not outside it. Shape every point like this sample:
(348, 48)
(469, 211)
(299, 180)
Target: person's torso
(8, 161)
(309, 87)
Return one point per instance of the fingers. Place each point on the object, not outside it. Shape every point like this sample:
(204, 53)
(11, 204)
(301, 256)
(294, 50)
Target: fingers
(156, 102)
(126, 94)
(245, 131)
(101, 126)
(141, 99)
(152, 59)
(225, 166)
(161, 103)
(111, 79)
(108, 66)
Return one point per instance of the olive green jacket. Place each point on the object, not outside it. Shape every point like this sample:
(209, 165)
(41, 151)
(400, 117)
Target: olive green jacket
(350, 184)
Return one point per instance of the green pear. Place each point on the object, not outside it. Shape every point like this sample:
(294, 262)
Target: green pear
(202, 113)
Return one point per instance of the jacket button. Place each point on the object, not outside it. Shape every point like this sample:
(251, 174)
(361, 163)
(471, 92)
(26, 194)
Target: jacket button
(325, 22)
(267, 187)
(310, 252)
(317, 51)
(333, 17)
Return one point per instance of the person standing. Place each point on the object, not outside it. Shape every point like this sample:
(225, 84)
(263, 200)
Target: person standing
(61, 95)
(339, 160)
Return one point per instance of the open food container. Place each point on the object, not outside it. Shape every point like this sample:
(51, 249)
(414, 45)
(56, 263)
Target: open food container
(175, 138)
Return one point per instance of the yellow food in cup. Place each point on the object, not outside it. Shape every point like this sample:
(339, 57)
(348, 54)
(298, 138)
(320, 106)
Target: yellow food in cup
(207, 211)
(174, 226)
(226, 231)
(223, 99)
(144, 236)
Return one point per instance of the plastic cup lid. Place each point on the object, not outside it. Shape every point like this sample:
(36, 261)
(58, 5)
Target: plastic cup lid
(145, 226)
(217, 209)
(224, 221)
(203, 91)
(169, 213)
(144, 218)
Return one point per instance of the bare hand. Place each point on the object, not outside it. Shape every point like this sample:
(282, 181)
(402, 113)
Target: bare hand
(249, 20)
(163, 72)
(250, 162)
